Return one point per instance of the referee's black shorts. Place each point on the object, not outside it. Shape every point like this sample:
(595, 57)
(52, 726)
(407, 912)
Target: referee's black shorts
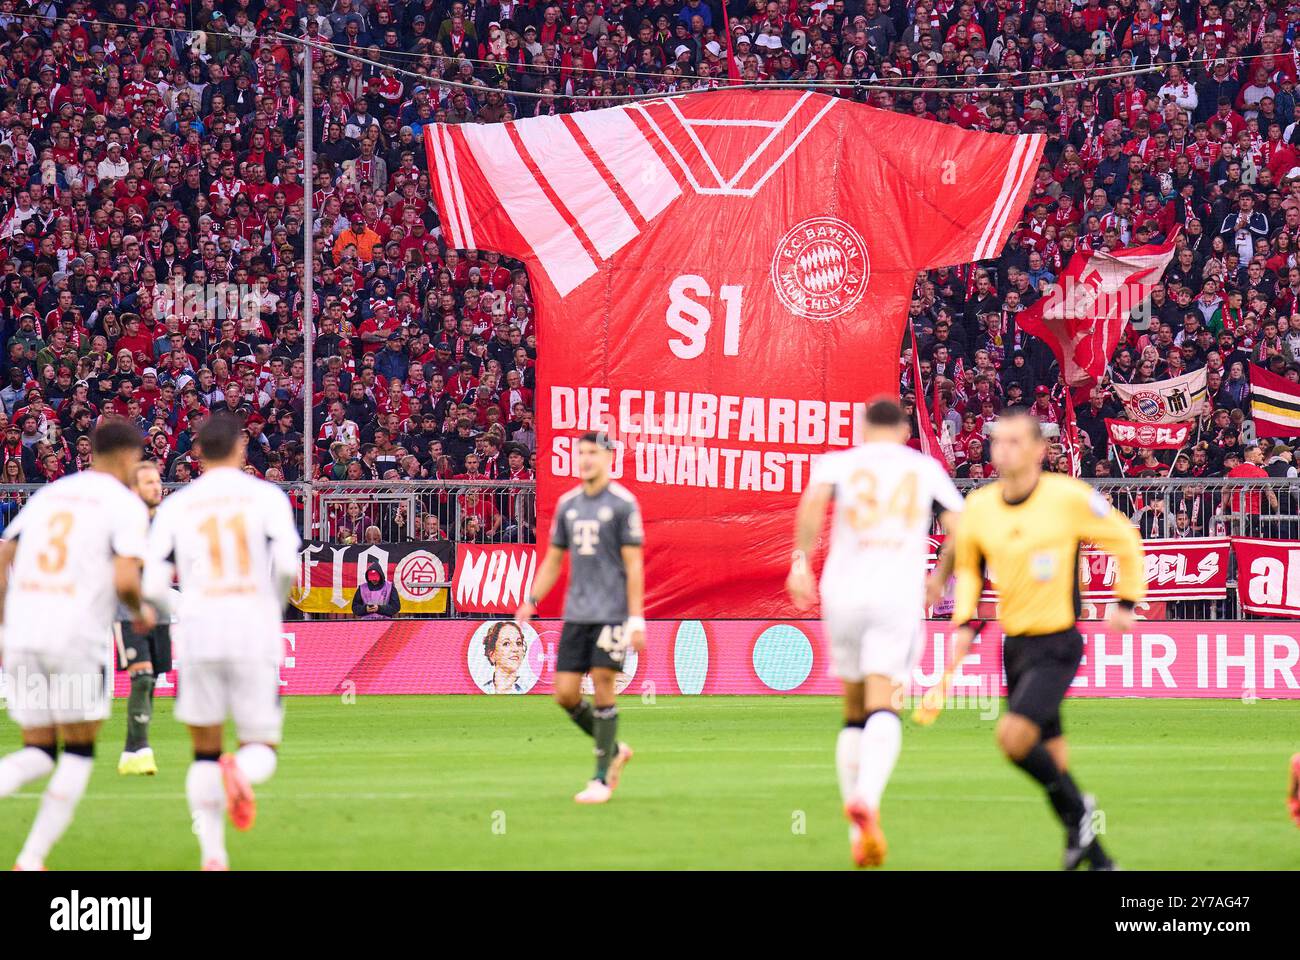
(1039, 671)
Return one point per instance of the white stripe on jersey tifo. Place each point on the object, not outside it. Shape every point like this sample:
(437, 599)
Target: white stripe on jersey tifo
(553, 242)
(630, 159)
(453, 215)
(672, 150)
(767, 141)
(727, 188)
(1026, 167)
(467, 225)
(707, 157)
(794, 144)
(735, 123)
(578, 184)
(1008, 180)
(1014, 176)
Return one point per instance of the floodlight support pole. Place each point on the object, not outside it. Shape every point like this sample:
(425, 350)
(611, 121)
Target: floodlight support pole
(308, 293)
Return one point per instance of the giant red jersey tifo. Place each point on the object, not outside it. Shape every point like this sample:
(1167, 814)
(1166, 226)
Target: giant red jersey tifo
(721, 281)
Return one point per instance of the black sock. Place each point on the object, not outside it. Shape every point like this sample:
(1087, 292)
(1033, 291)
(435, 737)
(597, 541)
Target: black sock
(581, 715)
(606, 724)
(1038, 763)
(1061, 791)
(1066, 799)
(139, 710)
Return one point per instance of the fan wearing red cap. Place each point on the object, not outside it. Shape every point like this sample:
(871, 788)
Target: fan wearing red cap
(1043, 408)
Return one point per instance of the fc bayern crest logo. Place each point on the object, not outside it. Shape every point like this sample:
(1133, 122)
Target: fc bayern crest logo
(820, 268)
(1148, 406)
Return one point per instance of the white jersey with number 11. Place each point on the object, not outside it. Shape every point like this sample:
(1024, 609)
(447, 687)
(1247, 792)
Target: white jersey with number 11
(231, 540)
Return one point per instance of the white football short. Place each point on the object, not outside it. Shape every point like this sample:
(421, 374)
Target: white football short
(210, 691)
(44, 690)
(872, 643)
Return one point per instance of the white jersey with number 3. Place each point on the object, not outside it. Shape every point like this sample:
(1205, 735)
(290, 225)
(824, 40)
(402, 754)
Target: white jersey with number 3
(231, 540)
(62, 599)
(884, 494)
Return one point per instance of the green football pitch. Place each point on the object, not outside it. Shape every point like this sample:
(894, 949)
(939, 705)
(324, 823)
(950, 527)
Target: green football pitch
(717, 782)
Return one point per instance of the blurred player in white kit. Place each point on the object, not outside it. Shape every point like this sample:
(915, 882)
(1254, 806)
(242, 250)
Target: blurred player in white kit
(872, 595)
(230, 541)
(66, 560)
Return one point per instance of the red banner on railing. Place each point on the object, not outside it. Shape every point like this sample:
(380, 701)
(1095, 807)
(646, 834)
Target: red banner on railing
(493, 579)
(1268, 576)
(1162, 436)
(1194, 568)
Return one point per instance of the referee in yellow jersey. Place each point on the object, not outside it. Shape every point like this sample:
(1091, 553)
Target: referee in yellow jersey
(1026, 531)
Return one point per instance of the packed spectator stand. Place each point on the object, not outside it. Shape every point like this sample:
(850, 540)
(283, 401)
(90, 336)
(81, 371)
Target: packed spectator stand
(151, 205)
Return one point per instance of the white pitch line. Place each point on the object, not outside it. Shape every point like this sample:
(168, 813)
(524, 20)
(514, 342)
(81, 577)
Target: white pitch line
(287, 796)
(433, 798)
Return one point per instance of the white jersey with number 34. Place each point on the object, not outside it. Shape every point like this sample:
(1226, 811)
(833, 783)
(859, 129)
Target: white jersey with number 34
(231, 540)
(61, 598)
(880, 535)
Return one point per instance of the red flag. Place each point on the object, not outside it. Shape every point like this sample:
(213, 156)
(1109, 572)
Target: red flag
(925, 427)
(733, 72)
(1082, 318)
(1070, 437)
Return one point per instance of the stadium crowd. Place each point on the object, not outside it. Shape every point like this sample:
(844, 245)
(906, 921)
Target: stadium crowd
(151, 205)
